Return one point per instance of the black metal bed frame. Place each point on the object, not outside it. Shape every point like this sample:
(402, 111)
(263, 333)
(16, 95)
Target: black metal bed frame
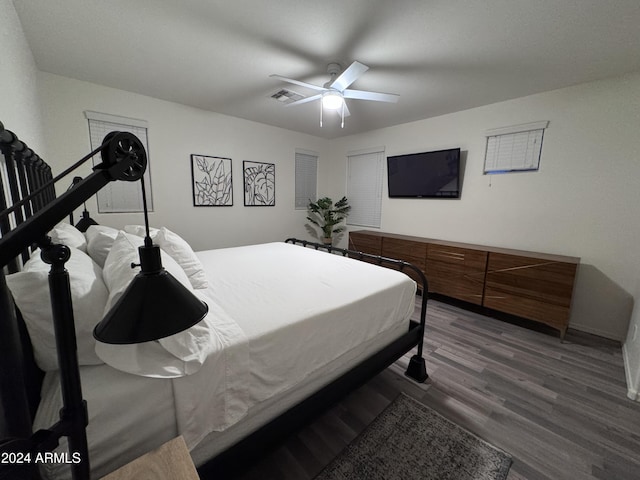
(240, 456)
(29, 209)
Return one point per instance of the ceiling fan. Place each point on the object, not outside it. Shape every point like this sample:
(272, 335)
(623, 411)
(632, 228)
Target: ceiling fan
(335, 91)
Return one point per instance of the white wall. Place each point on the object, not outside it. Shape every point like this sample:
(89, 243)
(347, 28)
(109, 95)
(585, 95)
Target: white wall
(582, 202)
(175, 132)
(19, 103)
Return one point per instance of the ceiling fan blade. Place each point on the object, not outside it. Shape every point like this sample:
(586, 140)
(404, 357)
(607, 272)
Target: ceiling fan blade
(378, 97)
(350, 75)
(298, 82)
(305, 100)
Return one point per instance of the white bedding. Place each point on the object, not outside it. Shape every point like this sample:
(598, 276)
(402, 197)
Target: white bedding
(300, 316)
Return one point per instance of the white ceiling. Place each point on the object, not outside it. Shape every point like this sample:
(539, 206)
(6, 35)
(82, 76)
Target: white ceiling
(440, 56)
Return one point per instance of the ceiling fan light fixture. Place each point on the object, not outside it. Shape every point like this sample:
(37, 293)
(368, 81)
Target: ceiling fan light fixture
(332, 100)
(332, 94)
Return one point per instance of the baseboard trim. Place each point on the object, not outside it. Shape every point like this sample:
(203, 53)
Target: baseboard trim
(595, 331)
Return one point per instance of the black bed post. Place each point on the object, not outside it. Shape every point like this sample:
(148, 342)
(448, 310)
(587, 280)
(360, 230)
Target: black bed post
(417, 368)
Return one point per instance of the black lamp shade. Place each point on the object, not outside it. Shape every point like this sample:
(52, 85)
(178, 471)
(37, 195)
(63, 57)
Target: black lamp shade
(154, 305)
(85, 222)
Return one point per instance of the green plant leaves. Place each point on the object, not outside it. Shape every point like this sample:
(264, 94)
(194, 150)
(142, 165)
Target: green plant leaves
(326, 215)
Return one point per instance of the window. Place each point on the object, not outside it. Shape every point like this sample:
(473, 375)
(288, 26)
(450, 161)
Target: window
(365, 169)
(118, 197)
(515, 148)
(306, 178)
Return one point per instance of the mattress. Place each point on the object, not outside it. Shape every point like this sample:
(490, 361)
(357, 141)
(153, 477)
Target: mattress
(305, 317)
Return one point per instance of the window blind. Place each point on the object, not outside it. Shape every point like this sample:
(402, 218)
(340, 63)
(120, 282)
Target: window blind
(306, 178)
(119, 197)
(364, 187)
(516, 148)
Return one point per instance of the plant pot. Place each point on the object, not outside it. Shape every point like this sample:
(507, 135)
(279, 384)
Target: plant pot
(327, 240)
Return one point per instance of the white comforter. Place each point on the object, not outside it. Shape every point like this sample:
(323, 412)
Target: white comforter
(277, 314)
(298, 309)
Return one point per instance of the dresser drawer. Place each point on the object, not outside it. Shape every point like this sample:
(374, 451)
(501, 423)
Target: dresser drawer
(366, 243)
(456, 272)
(533, 288)
(407, 250)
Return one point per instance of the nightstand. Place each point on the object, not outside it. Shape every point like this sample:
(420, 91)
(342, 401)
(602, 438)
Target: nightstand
(170, 461)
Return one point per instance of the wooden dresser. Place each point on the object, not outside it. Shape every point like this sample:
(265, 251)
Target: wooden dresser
(535, 286)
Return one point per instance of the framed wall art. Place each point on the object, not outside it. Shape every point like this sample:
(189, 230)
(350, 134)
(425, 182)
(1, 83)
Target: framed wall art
(211, 180)
(259, 184)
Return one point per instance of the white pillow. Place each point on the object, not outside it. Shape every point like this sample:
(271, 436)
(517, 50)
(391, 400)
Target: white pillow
(66, 234)
(141, 231)
(181, 251)
(174, 356)
(30, 289)
(99, 241)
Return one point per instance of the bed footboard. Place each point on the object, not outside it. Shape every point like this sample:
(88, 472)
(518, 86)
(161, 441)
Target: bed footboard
(417, 369)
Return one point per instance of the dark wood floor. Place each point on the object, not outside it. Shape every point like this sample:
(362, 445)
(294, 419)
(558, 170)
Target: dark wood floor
(560, 409)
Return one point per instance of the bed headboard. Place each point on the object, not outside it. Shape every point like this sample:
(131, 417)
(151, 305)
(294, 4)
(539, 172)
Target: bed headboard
(29, 209)
(22, 172)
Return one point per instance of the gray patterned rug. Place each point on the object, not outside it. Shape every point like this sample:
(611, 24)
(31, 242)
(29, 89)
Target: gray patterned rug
(409, 441)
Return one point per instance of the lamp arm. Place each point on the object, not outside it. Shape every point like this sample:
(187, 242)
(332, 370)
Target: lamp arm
(75, 181)
(117, 164)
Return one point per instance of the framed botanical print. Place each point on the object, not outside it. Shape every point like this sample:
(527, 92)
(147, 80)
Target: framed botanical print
(211, 179)
(259, 184)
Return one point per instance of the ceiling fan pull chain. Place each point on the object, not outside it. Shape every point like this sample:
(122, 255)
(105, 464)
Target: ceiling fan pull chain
(321, 108)
(342, 114)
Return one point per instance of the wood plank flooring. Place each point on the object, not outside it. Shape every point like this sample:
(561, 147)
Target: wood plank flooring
(560, 409)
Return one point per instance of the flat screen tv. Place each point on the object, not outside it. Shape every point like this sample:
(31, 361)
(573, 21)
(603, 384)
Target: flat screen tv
(425, 175)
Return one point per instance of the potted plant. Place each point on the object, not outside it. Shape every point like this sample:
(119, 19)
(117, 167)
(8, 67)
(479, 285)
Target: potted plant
(327, 216)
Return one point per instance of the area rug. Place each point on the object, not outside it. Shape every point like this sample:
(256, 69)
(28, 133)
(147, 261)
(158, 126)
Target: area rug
(410, 441)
